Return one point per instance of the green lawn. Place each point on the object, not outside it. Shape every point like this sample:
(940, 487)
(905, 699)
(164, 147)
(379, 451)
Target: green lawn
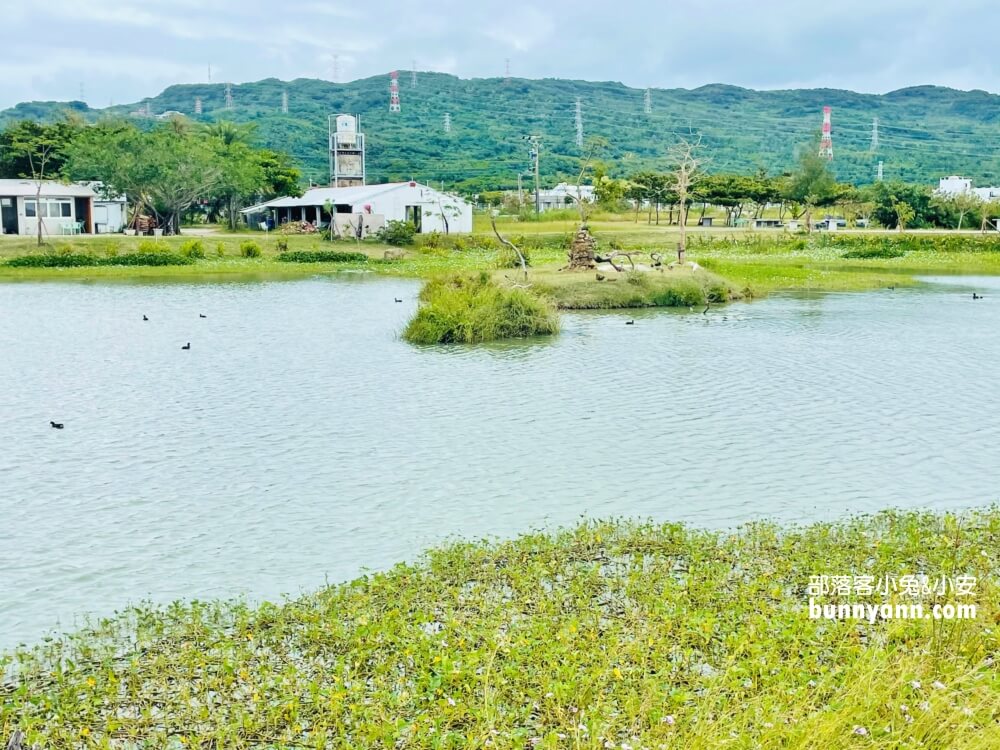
(608, 635)
(751, 264)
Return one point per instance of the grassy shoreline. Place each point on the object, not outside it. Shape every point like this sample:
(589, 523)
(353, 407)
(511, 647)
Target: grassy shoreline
(749, 264)
(611, 634)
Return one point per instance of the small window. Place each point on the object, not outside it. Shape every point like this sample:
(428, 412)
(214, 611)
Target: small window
(29, 208)
(67, 209)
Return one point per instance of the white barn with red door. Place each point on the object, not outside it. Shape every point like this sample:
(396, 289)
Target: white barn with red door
(369, 207)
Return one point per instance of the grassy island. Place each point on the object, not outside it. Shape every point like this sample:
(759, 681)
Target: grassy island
(618, 634)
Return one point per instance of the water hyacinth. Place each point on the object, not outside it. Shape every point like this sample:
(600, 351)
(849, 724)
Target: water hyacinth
(367, 664)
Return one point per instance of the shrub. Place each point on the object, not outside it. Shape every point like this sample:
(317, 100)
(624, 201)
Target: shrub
(321, 256)
(76, 260)
(281, 244)
(473, 308)
(148, 259)
(250, 249)
(53, 260)
(152, 246)
(397, 233)
(507, 258)
(220, 249)
(193, 249)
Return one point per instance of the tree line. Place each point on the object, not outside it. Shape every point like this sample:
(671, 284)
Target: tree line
(796, 194)
(174, 171)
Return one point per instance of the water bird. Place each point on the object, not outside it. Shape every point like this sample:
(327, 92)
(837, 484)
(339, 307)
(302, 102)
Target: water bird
(630, 322)
(976, 296)
(202, 316)
(144, 317)
(187, 345)
(397, 299)
(56, 425)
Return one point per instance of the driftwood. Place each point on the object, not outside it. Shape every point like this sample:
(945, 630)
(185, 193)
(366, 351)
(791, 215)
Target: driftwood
(511, 245)
(16, 742)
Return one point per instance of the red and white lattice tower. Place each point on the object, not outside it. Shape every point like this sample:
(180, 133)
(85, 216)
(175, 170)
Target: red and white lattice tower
(826, 142)
(394, 91)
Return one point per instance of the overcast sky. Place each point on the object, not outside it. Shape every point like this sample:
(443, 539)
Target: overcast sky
(125, 50)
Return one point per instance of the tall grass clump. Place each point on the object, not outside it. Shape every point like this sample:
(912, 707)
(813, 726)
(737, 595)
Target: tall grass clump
(473, 308)
(321, 256)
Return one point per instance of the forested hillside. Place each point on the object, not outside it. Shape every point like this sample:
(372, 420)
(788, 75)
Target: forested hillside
(925, 132)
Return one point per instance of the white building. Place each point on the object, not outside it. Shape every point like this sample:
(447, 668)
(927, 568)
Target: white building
(367, 208)
(564, 195)
(61, 209)
(110, 211)
(952, 186)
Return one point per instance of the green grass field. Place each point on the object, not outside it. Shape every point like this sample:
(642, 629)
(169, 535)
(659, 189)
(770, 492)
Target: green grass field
(752, 264)
(608, 635)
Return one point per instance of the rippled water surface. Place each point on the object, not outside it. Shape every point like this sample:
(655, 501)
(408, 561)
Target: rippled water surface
(299, 440)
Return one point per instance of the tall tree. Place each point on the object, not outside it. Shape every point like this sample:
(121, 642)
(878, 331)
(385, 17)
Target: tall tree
(811, 184)
(687, 161)
(35, 151)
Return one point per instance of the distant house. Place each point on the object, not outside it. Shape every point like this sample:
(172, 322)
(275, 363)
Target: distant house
(767, 224)
(365, 209)
(62, 209)
(954, 185)
(563, 195)
(110, 211)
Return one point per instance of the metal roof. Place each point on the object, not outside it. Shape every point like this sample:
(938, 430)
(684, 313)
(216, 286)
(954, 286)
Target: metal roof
(50, 189)
(319, 196)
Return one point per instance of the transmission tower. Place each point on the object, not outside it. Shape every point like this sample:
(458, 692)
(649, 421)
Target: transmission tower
(197, 105)
(826, 142)
(284, 102)
(413, 74)
(447, 122)
(506, 72)
(229, 96)
(878, 172)
(579, 123)
(874, 147)
(647, 102)
(394, 91)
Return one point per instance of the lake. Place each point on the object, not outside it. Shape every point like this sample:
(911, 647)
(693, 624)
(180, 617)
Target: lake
(300, 441)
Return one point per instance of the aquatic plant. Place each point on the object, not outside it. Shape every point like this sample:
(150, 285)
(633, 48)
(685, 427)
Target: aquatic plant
(472, 308)
(607, 635)
(321, 256)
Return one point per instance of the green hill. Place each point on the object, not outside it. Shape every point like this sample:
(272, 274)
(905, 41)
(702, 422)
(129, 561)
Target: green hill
(925, 132)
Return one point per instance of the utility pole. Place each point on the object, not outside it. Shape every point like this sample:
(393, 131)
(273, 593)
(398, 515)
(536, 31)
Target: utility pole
(229, 96)
(447, 122)
(284, 102)
(579, 123)
(647, 102)
(878, 172)
(874, 145)
(536, 146)
(520, 193)
(506, 72)
(197, 105)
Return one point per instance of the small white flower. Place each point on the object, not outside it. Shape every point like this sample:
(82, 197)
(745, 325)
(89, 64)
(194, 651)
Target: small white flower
(609, 744)
(451, 701)
(924, 706)
(904, 708)
(861, 730)
(811, 683)
(938, 685)
(626, 746)
(534, 740)
(669, 719)
(768, 725)
(915, 684)
(967, 711)
(549, 695)
(748, 683)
